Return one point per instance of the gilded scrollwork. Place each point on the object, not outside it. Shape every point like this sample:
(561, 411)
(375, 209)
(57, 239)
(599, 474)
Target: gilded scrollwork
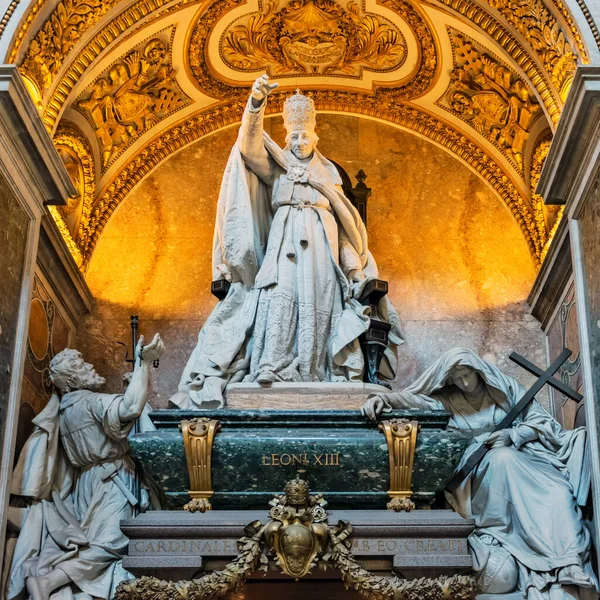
(489, 96)
(424, 74)
(58, 36)
(545, 36)
(130, 97)
(320, 37)
(299, 536)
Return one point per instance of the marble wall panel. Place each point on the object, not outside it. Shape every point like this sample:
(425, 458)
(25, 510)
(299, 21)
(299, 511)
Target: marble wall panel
(13, 240)
(563, 332)
(458, 265)
(589, 223)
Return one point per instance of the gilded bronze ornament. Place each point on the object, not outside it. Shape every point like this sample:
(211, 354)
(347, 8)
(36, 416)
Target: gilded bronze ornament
(492, 98)
(130, 97)
(311, 37)
(300, 538)
(401, 438)
(198, 437)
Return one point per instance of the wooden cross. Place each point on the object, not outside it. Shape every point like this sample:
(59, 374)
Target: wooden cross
(544, 377)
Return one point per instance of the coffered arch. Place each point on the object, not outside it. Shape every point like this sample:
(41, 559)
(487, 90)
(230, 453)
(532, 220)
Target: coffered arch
(141, 79)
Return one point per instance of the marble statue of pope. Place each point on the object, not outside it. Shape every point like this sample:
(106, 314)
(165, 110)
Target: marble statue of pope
(296, 253)
(76, 472)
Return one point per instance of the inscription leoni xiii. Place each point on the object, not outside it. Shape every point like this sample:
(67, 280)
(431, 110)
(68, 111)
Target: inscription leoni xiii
(301, 460)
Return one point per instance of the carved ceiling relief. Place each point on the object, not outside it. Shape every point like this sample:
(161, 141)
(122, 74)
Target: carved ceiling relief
(490, 97)
(58, 36)
(130, 97)
(543, 32)
(312, 38)
(73, 219)
(309, 37)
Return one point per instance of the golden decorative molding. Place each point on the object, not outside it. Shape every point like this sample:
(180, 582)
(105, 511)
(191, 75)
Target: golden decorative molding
(421, 80)
(131, 96)
(66, 235)
(575, 31)
(299, 535)
(401, 438)
(539, 79)
(385, 108)
(198, 437)
(72, 220)
(57, 37)
(491, 97)
(8, 13)
(307, 37)
(31, 14)
(125, 21)
(542, 31)
(540, 211)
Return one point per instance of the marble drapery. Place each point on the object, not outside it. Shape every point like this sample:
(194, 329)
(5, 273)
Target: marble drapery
(525, 497)
(68, 469)
(296, 253)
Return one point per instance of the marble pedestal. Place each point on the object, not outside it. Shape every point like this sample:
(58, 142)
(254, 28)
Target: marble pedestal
(304, 396)
(177, 545)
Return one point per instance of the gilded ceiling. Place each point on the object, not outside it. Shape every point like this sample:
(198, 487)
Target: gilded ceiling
(122, 84)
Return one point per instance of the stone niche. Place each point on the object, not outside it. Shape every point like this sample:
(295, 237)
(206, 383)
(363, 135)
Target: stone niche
(457, 263)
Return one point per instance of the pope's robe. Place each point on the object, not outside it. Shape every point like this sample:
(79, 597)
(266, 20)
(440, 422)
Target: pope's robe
(525, 497)
(295, 250)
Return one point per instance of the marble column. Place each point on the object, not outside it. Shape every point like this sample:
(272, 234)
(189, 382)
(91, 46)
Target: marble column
(31, 175)
(571, 177)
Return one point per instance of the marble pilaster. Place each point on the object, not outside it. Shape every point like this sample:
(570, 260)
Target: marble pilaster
(31, 175)
(571, 177)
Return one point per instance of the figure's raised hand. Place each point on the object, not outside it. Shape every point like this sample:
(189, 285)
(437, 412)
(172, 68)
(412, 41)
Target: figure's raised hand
(261, 89)
(152, 351)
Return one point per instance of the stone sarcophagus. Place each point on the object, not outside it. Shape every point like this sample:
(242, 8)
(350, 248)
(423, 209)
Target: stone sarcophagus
(239, 459)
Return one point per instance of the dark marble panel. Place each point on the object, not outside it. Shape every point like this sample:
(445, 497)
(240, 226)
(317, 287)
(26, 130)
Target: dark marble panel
(343, 457)
(13, 246)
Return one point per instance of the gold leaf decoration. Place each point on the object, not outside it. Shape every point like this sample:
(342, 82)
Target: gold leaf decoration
(266, 38)
(57, 37)
(541, 29)
(489, 96)
(130, 97)
(311, 37)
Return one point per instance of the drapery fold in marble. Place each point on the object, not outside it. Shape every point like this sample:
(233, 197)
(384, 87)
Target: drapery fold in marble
(296, 253)
(525, 495)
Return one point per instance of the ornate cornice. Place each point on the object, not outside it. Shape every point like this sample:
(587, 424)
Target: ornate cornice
(575, 32)
(20, 36)
(396, 113)
(424, 73)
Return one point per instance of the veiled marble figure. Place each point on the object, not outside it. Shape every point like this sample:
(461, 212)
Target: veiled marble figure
(525, 495)
(295, 251)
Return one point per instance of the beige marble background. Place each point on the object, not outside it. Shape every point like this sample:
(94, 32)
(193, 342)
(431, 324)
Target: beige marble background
(458, 265)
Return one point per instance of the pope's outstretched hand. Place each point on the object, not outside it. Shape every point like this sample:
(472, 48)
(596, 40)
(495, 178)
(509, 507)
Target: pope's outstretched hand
(261, 89)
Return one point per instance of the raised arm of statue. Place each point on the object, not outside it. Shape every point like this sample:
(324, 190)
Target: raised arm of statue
(136, 395)
(250, 137)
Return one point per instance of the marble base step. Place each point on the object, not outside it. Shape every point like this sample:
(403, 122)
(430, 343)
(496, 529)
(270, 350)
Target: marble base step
(299, 396)
(178, 544)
